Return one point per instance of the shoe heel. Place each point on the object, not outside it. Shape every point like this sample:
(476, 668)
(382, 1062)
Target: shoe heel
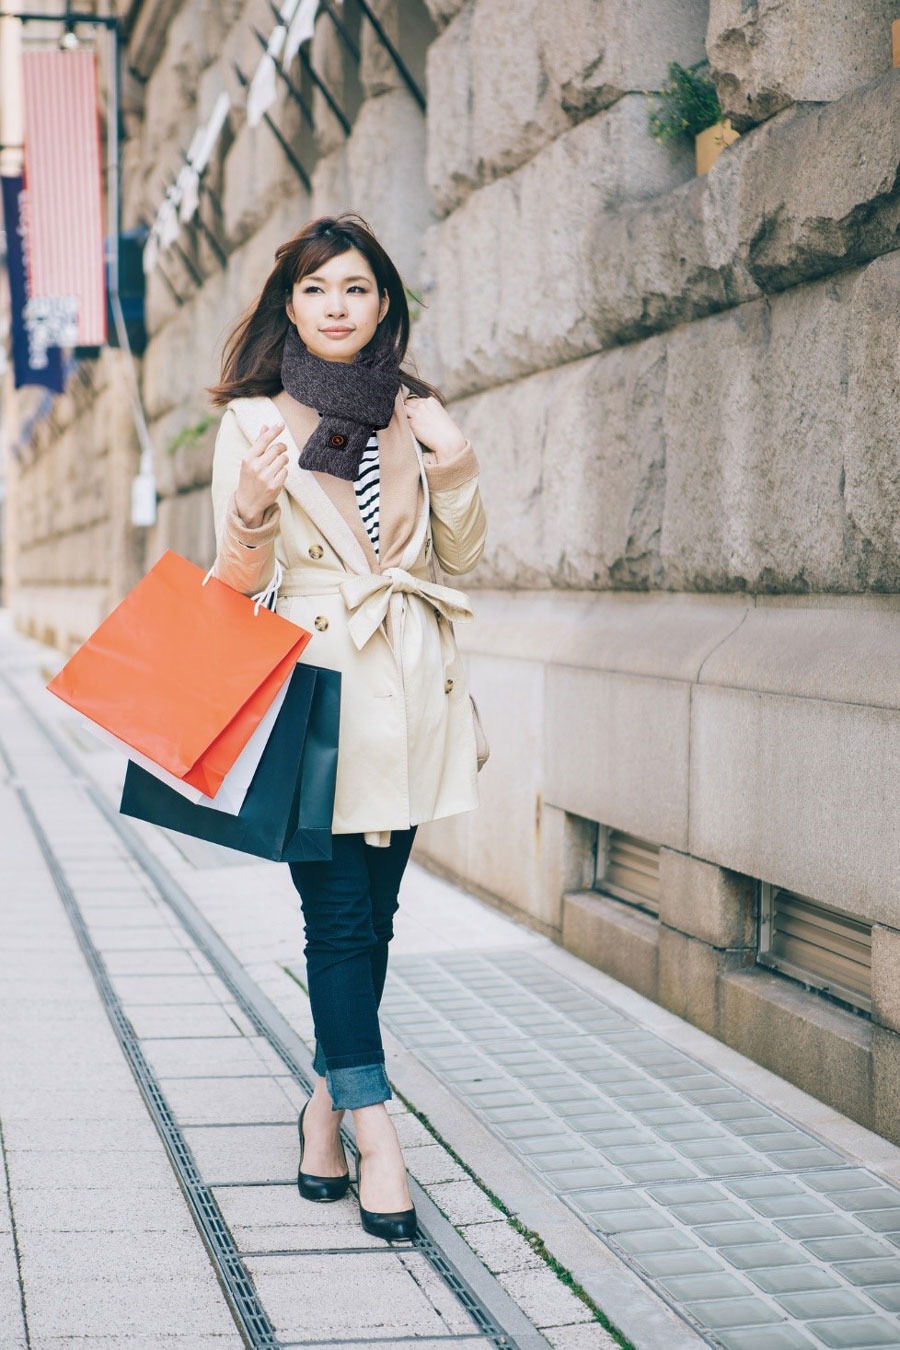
(312, 1187)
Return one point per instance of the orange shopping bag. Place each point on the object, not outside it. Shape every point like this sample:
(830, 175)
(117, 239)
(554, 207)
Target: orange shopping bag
(183, 670)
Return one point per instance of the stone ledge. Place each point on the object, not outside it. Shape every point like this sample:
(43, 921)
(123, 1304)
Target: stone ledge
(814, 1044)
(842, 649)
(619, 940)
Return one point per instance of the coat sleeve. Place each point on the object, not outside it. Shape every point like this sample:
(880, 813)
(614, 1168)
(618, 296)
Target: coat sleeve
(457, 513)
(245, 555)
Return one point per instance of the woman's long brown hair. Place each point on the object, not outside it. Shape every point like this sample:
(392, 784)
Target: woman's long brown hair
(251, 361)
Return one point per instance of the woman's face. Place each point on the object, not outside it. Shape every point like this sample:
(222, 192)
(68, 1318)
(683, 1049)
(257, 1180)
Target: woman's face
(340, 294)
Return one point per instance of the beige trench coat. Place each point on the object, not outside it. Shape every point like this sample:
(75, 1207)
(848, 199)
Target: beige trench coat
(407, 750)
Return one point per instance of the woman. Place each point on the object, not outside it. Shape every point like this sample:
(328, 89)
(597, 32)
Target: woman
(362, 518)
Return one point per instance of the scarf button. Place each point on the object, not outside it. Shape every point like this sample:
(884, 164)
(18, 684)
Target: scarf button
(338, 439)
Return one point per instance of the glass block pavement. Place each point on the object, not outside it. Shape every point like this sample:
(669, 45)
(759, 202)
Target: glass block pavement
(760, 1235)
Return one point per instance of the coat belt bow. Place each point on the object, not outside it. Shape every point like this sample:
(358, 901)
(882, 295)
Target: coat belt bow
(367, 597)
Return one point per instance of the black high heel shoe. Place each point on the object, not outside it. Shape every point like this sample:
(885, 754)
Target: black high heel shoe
(390, 1224)
(318, 1188)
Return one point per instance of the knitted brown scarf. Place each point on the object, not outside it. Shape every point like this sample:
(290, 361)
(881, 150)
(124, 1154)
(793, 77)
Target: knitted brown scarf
(353, 398)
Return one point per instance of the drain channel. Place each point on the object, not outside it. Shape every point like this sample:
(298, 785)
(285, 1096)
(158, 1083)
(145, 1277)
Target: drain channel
(497, 1318)
(236, 1284)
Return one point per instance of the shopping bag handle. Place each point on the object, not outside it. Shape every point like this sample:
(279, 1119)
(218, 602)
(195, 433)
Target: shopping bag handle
(261, 597)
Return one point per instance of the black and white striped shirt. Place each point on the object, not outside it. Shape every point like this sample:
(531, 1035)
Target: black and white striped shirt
(368, 489)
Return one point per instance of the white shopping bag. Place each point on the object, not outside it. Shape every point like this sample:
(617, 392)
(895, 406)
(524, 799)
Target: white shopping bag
(235, 784)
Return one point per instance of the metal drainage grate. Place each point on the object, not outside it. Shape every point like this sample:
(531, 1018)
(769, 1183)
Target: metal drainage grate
(238, 1287)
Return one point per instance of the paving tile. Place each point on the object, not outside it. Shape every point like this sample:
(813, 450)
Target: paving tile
(544, 1298)
(197, 1341)
(598, 1202)
(745, 1166)
(432, 1163)
(205, 1057)
(246, 1153)
(463, 1202)
(809, 1157)
(660, 1171)
(866, 1198)
(793, 1279)
(127, 1307)
(823, 1303)
(217, 1100)
(769, 1338)
(856, 1333)
(878, 1271)
(380, 1295)
(500, 1247)
(788, 1206)
(80, 1136)
(847, 1179)
(691, 1288)
(64, 1258)
(848, 1249)
(629, 1221)
(567, 1179)
(763, 1255)
(52, 1168)
(880, 1220)
(734, 1234)
(818, 1226)
(583, 1336)
(886, 1296)
(142, 990)
(705, 1149)
(720, 1212)
(104, 1208)
(692, 1193)
(660, 1264)
(734, 1312)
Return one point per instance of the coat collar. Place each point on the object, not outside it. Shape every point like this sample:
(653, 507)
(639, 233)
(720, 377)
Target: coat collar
(330, 502)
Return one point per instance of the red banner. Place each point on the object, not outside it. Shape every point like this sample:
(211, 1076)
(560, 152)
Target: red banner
(64, 198)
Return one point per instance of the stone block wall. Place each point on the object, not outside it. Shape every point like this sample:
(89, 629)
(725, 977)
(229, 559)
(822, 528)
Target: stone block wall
(682, 393)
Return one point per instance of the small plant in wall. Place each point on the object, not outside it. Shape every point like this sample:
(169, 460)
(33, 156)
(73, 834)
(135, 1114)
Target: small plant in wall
(189, 436)
(689, 106)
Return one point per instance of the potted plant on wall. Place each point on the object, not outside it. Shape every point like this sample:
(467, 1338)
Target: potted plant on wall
(689, 106)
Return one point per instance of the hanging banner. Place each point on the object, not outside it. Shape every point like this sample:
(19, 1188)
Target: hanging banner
(32, 363)
(64, 199)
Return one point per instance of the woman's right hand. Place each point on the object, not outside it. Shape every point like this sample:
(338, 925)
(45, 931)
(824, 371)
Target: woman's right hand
(263, 472)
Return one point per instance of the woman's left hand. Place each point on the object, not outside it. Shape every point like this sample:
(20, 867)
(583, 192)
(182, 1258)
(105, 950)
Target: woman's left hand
(433, 426)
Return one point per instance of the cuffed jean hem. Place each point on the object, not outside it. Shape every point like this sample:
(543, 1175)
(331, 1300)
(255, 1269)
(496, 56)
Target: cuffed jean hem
(353, 1086)
(362, 1085)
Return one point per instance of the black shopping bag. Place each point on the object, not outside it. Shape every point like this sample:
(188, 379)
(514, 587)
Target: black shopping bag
(288, 809)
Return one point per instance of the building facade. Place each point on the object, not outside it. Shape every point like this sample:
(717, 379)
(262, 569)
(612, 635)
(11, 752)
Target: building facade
(682, 392)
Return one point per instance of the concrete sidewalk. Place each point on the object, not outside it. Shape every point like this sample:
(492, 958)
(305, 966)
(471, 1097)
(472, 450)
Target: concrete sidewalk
(595, 1160)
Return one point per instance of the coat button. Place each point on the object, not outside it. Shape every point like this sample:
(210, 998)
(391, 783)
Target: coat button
(316, 550)
(338, 439)
(427, 546)
(321, 622)
(448, 685)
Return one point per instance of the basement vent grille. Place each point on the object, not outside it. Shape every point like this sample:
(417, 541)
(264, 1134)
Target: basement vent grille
(628, 869)
(826, 948)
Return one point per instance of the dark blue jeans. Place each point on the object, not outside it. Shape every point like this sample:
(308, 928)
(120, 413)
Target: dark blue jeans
(348, 907)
